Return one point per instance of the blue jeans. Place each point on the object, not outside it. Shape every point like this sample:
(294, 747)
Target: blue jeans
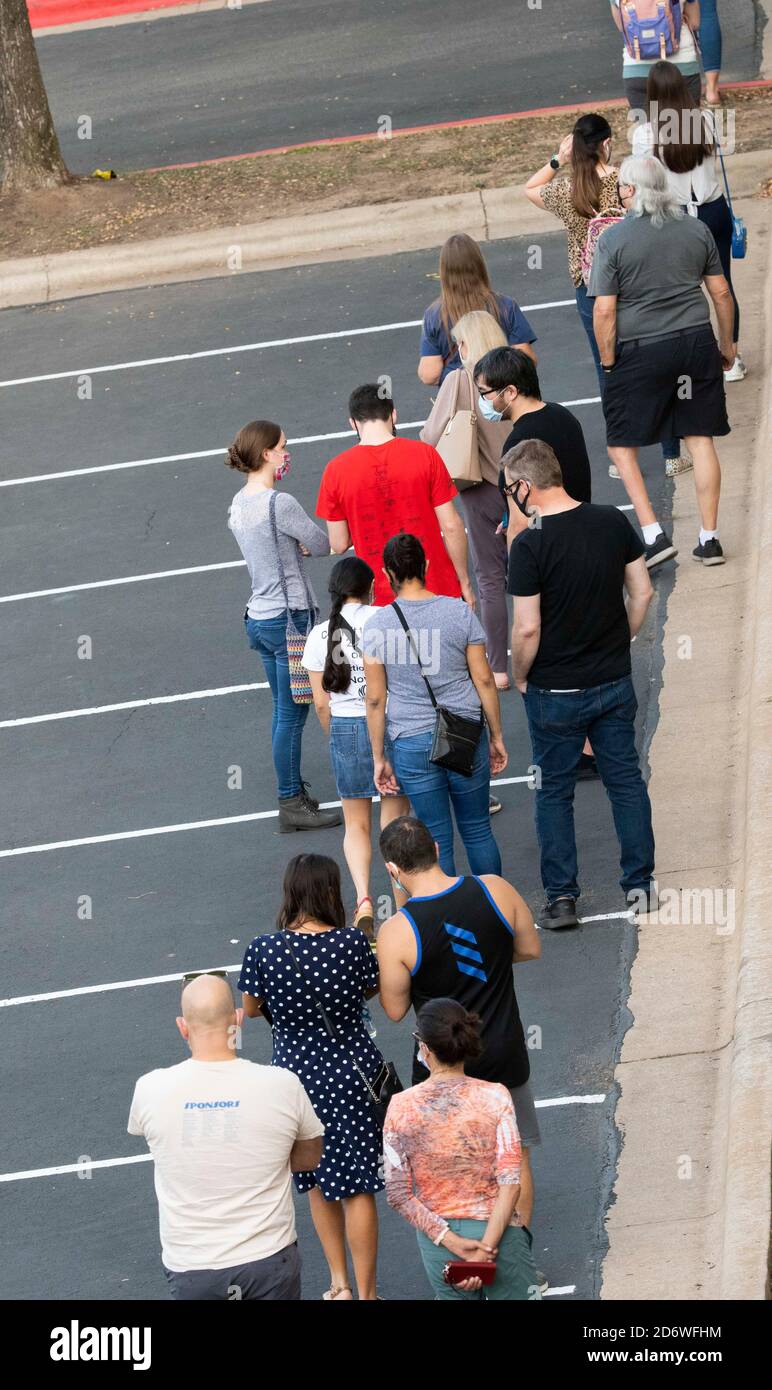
(559, 722)
(710, 36)
(433, 791)
(268, 636)
(671, 448)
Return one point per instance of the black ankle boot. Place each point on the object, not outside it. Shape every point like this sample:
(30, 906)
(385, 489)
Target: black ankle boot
(301, 813)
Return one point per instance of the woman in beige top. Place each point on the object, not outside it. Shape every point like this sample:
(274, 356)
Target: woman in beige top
(475, 334)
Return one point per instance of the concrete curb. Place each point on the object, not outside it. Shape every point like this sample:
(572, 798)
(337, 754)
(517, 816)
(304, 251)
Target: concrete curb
(376, 229)
(690, 1213)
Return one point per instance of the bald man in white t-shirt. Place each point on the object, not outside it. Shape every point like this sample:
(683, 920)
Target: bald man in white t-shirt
(225, 1134)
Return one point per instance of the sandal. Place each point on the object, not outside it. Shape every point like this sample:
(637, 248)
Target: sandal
(364, 918)
(333, 1293)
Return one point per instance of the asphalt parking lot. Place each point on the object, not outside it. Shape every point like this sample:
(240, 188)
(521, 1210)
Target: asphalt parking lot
(283, 72)
(125, 857)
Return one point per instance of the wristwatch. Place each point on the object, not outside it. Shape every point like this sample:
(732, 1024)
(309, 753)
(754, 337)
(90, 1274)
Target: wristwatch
(554, 162)
(610, 366)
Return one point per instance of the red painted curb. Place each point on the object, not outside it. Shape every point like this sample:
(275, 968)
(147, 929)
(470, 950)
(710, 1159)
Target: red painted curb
(419, 130)
(49, 14)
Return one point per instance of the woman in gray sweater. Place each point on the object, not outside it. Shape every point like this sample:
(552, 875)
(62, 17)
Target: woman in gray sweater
(273, 534)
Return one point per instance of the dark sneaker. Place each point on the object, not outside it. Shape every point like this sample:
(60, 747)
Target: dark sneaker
(494, 805)
(587, 770)
(643, 900)
(560, 915)
(660, 549)
(301, 813)
(710, 553)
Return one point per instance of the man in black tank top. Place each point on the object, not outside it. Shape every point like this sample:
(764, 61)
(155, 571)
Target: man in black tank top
(457, 938)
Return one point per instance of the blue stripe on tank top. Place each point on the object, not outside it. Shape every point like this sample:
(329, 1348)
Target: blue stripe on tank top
(472, 970)
(467, 952)
(494, 904)
(460, 933)
(417, 936)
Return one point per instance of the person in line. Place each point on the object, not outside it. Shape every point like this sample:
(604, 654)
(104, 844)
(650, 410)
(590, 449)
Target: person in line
(652, 322)
(225, 1135)
(313, 959)
(464, 286)
(571, 661)
(635, 69)
(452, 1154)
(333, 659)
(475, 334)
(685, 140)
(508, 385)
(384, 485)
(450, 643)
(273, 534)
(710, 43)
(458, 938)
(589, 190)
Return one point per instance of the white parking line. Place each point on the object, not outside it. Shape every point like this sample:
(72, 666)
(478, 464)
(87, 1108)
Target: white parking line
(133, 704)
(128, 579)
(185, 825)
(87, 1164)
(555, 1293)
(216, 453)
(248, 347)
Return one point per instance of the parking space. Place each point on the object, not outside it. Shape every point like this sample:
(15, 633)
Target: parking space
(125, 854)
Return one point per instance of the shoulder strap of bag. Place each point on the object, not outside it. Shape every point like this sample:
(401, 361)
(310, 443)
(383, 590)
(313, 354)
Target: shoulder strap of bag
(723, 170)
(311, 606)
(411, 640)
(330, 1027)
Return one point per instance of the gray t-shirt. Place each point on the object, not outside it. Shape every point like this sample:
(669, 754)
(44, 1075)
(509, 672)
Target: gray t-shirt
(656, 274)
(248, 520)
(442, 628)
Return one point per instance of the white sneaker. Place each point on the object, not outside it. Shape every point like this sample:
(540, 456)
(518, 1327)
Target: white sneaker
(737, 372)
(613, 471)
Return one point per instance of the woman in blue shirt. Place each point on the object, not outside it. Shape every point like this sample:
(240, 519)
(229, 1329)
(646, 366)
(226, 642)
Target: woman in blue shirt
(464, 286)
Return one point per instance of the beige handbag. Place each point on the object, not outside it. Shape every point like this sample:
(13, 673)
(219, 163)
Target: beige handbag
(457, 445)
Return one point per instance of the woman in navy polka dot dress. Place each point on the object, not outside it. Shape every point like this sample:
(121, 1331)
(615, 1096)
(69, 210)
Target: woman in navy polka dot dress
(315, 957)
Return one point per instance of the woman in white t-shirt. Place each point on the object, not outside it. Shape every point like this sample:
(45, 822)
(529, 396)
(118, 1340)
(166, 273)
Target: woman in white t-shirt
(333, 659)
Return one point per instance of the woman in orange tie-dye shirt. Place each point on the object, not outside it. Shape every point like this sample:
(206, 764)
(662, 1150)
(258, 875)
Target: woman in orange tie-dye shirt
(452, 1156)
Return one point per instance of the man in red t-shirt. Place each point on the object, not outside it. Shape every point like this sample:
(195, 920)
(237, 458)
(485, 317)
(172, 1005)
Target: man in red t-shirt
(385, 485)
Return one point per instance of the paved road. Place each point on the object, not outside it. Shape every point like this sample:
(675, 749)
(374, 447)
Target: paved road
(192, 899)
(288, 71)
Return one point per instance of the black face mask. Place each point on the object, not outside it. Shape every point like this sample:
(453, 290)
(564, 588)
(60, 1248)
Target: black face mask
(522, 506)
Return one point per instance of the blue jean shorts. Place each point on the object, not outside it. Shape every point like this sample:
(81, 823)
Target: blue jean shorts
(352, 757)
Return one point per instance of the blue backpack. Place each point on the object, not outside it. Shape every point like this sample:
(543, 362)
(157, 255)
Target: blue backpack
(651, 28)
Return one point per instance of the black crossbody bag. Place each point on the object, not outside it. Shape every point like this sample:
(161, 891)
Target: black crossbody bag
(456, 737)
(385, 1083)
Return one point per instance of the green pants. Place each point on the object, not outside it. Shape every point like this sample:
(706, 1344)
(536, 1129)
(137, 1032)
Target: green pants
(515, 1269)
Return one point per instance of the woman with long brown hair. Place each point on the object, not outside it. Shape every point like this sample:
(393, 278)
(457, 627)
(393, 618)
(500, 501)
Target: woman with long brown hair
(274, 534)
(309, 980)
(465, 285)
(588, 191)
(685, 140)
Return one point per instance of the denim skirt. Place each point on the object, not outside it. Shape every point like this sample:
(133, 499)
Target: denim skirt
(352, 757)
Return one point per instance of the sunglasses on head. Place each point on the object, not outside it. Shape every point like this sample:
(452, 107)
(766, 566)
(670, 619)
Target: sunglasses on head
(196, 975)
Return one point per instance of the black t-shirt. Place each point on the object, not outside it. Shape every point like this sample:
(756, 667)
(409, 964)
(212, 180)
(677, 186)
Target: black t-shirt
(556, 426)
(576, 561)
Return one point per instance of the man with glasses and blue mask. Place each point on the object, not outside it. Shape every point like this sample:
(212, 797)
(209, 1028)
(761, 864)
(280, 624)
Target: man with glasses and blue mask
(508, 387)
(568, 573)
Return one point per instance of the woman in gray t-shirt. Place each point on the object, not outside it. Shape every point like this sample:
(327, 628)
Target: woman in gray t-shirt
(273, 534)
(450, 644)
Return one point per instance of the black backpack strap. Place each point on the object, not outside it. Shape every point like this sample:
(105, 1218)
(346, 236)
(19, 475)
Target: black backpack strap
(411, 640)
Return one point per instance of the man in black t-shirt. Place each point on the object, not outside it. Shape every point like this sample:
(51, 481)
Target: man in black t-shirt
(508, 382)
(571, 661)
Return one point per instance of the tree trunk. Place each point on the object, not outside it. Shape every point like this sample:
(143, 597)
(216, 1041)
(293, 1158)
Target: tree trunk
(29, 148)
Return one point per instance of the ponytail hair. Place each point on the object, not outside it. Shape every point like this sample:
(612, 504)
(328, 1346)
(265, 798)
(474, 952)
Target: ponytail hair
(452, 1034)
(590, 132)
(350, 578)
